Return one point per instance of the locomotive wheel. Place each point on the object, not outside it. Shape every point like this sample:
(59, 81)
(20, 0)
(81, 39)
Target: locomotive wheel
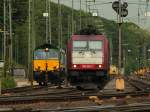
(45, 83)
(42, 83)
(100, 87)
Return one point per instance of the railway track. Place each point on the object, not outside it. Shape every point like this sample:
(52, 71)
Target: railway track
(139, 85)
(26, 95)
(68, 95)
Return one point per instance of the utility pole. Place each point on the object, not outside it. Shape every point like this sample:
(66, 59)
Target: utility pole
(111, 47)
(138, 57)
(139, 13)
(7, 54)
(80, 16)
(33, 40)
(30, 46)
(69, 26)
(59, 25)
(146, 10)
(72, 16)
(86, 23)
(29, 34)
(124, 59)
(16, 49)
(119, 24)
(10, 37)
(59, 35)
(144, 55)
(125, 47)
(50, 32)
(46, 5)
(29, 39)
(4, 39)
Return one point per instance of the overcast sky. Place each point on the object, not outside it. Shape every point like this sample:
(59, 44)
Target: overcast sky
(106, 11)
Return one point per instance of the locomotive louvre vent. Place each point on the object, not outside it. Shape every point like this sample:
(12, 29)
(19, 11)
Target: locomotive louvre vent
(87, 54)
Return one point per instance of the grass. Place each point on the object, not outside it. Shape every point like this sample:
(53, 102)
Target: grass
(8, 82)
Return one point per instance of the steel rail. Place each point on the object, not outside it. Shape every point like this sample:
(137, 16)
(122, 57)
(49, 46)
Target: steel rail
(25, 89)
(20, 89)
(15, 110)
(45, 91)
(109, 108)
(135, 107)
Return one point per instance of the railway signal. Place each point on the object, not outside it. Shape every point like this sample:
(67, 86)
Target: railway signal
(124, 11)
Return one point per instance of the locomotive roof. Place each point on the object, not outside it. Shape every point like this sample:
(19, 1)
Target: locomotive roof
(88, 37)
(89, 30)
(43, 46)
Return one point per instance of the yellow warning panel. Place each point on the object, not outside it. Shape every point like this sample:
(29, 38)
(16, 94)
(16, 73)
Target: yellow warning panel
(120, 85)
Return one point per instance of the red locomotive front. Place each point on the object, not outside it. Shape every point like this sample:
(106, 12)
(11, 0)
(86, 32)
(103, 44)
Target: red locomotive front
(87, 56)
(88, 52)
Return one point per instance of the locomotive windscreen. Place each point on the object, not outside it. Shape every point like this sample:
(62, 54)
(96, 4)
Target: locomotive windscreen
(87, 52)
(78, 45)
(41, 54)
(96, 45)
(87, 45)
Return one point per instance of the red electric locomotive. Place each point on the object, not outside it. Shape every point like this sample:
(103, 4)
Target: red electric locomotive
(88, 59)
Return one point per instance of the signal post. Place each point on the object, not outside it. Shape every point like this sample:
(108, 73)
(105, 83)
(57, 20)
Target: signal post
(121, 10)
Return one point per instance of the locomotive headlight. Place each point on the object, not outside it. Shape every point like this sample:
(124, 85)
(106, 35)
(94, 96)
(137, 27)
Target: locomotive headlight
(38, 69)
(57, 67)
(46, 49)
(75, 66)
(100, 66)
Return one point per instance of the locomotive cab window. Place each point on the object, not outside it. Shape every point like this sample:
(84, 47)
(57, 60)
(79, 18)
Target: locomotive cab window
(52, 54)
(79, 45)
(87, 45)
(96, 45)
(41, 54)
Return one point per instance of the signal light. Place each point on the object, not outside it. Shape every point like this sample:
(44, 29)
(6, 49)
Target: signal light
(124, 11)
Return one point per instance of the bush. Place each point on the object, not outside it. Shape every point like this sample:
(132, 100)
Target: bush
(8, 82)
